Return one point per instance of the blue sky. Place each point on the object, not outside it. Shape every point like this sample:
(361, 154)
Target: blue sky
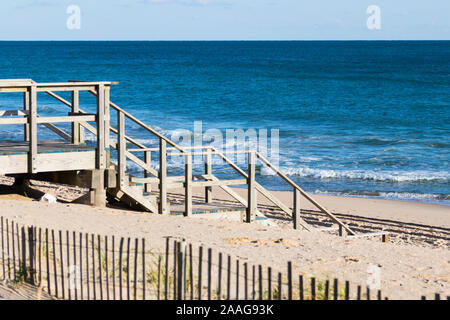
(224, 20)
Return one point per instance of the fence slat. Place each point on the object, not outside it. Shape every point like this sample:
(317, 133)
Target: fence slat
(100, 265)
(246, 281)
(229, 278)
(191, 272)
(358, 294)
(260, 282)
(94, 289)
(136, 251)
(24, 254)
(14, 251)
(113, 264)
(368, 293)
(61, 262)
(289, 274)
(280, 286)
(327, 289)
(180, 271)
(143, 269)
(335, 289)
(254, 282)
(69, 290)
(7, 249)
(159, 277)
(175, 257)
(128, 268)
(48, 263)
(313, 288)
(120, 269)
(301, 288)
(269, 282)
(237, 279)
(347, 290)
(40, 256)
(81, 266)
(200, 260)
(166, 274)
(87, 267)
(54, 264)
(106, 268)
(209, 272)
(219, 280)
(74, 249)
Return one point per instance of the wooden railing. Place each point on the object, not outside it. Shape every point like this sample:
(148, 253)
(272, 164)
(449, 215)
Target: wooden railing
(76, 117)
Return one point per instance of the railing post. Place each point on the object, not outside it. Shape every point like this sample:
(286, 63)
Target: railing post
(101, 155)
(32, 123)
(107, 90)
(26, 107)
(208, 171)
(148, 162)
(76, 130)
(121, 148)
(252, 205)
(296, 209)
(162, 177)
(188, 186)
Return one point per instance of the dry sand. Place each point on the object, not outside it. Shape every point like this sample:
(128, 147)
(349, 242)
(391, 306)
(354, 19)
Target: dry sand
(416, 262)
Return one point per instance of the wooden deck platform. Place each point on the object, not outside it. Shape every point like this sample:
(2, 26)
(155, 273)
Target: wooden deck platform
(51, 156)
(46, 146)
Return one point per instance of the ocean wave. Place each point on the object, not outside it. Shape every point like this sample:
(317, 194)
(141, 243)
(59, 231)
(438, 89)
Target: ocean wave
(406, 196)
(389, 176)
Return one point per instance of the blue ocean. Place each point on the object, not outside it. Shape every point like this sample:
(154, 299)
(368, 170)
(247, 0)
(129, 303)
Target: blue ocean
(355, 118)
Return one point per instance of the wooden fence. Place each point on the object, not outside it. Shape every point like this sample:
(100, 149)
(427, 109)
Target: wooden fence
(81, 266)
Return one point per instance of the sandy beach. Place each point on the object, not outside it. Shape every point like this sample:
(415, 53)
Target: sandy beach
(416, 261)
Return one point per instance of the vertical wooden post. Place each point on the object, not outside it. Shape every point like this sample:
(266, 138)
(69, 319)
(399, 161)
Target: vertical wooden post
(251, 205)
(26, 108)
(101, 155)
(181, 250)
(76, 133)
(289, 280)
(163, 177)
(107, 123)
(296, 211)
(148, 162)
(121, 148)
(24, 254)
(32, 122)
(208, 171)
(188, 186)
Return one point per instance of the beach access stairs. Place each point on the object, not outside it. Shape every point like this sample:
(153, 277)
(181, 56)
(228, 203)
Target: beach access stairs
(71, 160)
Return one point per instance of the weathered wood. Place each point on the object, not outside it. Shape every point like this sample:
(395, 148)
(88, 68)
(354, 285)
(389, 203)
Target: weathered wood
(188, 186)
(147, 173)
(32, 124)
(76, 128)
(121, 149)
(296, 210)
(26, 108)
(61, 265)
(289, 276)
(163, 177)
(101, 154)
(251, 200)
(304, 194)
(208, 171)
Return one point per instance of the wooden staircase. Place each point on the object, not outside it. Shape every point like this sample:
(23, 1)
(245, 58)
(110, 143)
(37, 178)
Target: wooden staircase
(151, 191)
